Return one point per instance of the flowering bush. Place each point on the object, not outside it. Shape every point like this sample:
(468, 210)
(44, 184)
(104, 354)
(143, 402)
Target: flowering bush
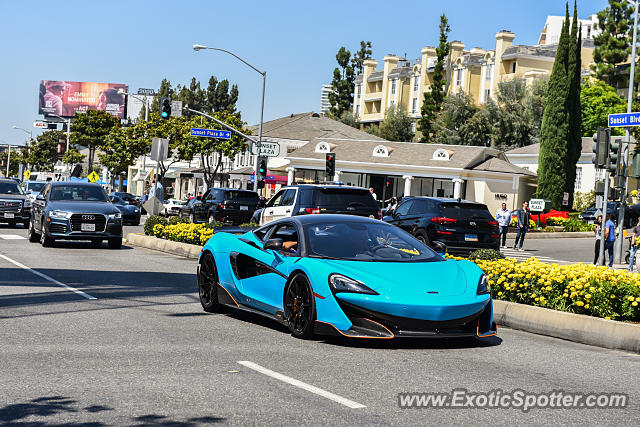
(579, 288)
(557, 220)
(195, 234)
(514, 223)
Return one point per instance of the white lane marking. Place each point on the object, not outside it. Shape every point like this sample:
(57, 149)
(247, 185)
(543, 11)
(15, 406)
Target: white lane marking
(313, 389)
(45, 277)
(12, 237)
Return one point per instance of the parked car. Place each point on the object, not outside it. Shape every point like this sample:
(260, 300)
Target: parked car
(461, 225)
(173, 206)
(308, 199)
(221, 204)
(130, 213)
(75, 211)
(14, 204)
(127, 197)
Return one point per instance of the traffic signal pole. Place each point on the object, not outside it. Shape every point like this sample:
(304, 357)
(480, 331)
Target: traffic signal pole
(604, 217)
(627, 139)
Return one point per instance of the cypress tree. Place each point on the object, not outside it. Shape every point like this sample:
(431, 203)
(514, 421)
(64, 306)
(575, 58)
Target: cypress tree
(554, 133)
(574, 142)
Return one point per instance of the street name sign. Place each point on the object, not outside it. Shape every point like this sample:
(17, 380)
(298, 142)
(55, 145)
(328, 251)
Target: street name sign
(624, 120)
(40, 124)
(143, 91)
(536, 205)
(159, 149)
(211, 133)
(267, 149)
(93, 176)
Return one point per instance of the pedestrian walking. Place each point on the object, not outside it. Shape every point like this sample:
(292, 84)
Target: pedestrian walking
(609, 238)
(503, 216)
(635, 232)
(597, 230)
(523, 217)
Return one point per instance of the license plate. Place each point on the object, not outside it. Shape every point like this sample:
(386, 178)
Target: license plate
(9, 215)
(87, 227)
(471, 237)
(244, 208)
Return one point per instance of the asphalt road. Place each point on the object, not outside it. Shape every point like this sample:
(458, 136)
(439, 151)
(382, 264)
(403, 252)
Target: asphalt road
(144, 353)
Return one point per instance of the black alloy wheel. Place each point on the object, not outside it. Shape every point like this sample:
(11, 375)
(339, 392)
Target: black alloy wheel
(33, 236)
(299, 307)
(208, 284)
(422, 239)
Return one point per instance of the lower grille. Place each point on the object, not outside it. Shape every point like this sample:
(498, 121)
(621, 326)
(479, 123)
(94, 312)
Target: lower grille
(57, 228)
(78, 219)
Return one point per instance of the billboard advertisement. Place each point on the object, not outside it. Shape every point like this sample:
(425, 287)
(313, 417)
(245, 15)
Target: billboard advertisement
(64, 98)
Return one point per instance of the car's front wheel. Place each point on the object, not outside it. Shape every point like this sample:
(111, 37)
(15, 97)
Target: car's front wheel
(207, 284)
(33, 236)
(299, 307)
(45, 240)
(115, 243)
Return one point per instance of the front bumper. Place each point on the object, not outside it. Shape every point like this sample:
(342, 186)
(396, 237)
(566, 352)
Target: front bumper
(21, 216)
(61, 229)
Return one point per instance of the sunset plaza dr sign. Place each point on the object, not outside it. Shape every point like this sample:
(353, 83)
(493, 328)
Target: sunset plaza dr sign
(624, 120)
(211, 133)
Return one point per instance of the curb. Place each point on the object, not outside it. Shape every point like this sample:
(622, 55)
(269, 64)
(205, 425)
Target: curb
(569, 326)
(175, 248)
(555, 235)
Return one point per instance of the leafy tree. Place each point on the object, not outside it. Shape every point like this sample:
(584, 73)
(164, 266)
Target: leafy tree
(91, 128)
(598, 100)
(341, 96)
(514, 128)
(534, 106)
(433, 100)
(396, 125)
(350, 119)
(16, 159)
(574, 74)
(219, 97)
(120, 150)
(552, 161)
(360, 56)
(450, 126)
(193, 96)
(42, 151)
(613, 44)
(72, 156)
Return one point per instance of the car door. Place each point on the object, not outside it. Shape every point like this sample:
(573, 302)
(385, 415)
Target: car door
(263, 274)
(401, 214)
(37, 207)
(280, 205)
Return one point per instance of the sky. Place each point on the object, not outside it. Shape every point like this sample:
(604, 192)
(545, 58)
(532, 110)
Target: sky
(139, 42)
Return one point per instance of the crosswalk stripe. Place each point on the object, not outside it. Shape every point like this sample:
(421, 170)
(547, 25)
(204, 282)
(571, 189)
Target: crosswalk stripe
(11, 237)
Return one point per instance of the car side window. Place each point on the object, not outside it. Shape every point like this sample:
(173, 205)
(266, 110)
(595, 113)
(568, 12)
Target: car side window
(288, 198)
(275, 200)
(262, 232)
(403, 209)
(45, 191)
(418, 207)
(289, 235)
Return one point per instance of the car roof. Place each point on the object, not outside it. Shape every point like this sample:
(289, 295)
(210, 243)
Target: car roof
(332, 186)
(8, 180)
(34, 182)
(443, 200)
(325, 218)
(76, 183)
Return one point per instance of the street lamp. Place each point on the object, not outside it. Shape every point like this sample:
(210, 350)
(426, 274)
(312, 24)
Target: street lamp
(25, 131)
(198, 47)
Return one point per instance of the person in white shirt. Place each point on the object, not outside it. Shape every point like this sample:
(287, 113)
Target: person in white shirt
(375, 197)
(503, 216)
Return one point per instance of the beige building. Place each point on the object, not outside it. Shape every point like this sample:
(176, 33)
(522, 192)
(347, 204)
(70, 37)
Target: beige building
(475, 71)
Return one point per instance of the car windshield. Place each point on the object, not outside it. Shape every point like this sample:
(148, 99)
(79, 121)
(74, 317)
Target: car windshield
(245, 195)
(10, 188)
(366, 241)
(465, 211)
(178, 202)
(35, 187)
(343, 198)
(78, 193)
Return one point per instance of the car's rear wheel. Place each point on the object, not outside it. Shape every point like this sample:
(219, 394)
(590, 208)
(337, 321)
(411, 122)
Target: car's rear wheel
(208, 284)
(299, 307)
(45, 240)
(115, 243)
(33, 236)
(422, 238)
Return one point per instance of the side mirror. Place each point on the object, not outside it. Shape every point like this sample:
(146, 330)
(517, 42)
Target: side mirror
(387, 218)
(40, 197)
(439, 247)
(273, 244)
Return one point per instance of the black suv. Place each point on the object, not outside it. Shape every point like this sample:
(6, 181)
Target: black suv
(305, 199)
(14, 204)
(461, 225)
(222, 204)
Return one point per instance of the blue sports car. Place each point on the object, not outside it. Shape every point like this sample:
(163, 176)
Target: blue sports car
(345, 275)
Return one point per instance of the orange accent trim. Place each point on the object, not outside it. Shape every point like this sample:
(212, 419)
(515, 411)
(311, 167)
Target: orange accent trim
(484, 336)
(355, 336)
(231, 296)
(318, 296)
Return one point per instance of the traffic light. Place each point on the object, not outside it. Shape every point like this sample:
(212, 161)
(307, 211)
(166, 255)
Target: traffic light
(330, 165)
(262, 168)
(635, 165)
(165, 108)
(600, 147)
(615, 154)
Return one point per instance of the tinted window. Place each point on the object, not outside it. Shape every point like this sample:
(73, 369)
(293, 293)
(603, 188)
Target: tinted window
(35, 186)
(288, 198)
(422, 206)
(78, 193)
(366, 241)
(465, 211)
(341, 198)
(275, 200)
(403, 209)
(10, 187)
(241, 195)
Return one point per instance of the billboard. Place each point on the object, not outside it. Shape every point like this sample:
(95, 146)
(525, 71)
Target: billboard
(65, 98)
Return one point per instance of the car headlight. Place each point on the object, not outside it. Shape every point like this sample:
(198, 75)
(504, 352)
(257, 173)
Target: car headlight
(116, 215)
(483, 286)
(27, 203)
(340, 283)
(136, 210)
(60, 214)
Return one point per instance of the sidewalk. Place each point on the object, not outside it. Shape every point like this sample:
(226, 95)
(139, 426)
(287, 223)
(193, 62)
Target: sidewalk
(525, 255)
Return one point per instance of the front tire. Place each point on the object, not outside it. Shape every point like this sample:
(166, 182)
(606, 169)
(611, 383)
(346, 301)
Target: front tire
(96, 243)
(115, 243)
(208, 284)
(33, 236)
(45, 240)
(422, 238)
(299, 307)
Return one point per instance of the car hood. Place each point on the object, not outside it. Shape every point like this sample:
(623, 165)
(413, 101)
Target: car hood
(84, 207)
(407, 279)
(126, 208)
(13, 197)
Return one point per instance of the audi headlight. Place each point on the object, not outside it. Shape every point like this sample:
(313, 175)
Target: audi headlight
(483, 286)
(60, 214)
(340, 283)
(116, 215)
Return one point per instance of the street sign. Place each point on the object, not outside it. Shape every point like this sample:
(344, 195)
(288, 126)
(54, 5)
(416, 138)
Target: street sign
(159, 149)
(27, 174)
(211, 133)
(176, 108)
(153, 206)
(40, 124)
(267, 149)
(143, 91)
(93, 176)
(624, 120)
(536, 205)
